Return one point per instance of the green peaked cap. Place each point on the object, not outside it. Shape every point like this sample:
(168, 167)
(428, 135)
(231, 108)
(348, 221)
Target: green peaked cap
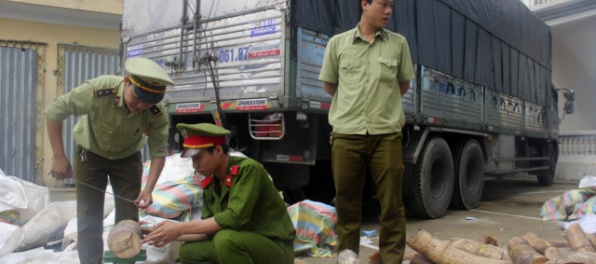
(149, 79)
(202, 129)
(201, 136)
(148, 71)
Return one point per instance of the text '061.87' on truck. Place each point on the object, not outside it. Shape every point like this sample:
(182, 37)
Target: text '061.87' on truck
(482, 101)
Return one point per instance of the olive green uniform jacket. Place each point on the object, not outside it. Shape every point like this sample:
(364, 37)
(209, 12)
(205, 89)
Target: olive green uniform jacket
(106, 127)
(249, 202)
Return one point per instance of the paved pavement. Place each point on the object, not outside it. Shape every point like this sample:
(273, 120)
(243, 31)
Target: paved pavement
(509, 208)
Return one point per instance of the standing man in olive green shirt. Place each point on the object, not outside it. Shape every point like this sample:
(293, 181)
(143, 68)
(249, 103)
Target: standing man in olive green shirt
(244, 220)
(367, 70)
(119, 115)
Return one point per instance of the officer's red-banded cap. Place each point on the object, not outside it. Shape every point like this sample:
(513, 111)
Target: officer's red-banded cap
(201, 136)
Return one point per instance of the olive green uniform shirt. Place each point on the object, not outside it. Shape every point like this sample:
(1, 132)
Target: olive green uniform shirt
(250, 203)
(106, 127)
(368, 97)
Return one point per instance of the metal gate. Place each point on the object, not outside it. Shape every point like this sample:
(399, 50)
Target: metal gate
(76, 64)
(21, 74)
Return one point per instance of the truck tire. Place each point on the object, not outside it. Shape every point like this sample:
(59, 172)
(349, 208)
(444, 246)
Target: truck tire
(469, 175)
(432, 180)
(547, 177)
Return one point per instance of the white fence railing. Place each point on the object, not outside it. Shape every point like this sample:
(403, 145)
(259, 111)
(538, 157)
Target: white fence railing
(581, 143)
(577, 155)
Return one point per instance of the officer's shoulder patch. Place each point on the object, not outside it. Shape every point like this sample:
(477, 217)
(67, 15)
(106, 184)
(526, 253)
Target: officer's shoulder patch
(155, 110)
(104, 92)
(234, 170)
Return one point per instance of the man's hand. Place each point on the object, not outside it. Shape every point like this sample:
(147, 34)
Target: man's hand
(164, 233)
(144, 200)
(61, 168)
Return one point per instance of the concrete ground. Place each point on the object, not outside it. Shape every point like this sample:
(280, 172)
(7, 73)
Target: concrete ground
(509, 208)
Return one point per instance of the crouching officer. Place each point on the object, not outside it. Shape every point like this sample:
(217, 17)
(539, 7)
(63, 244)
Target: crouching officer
(119, 115)
(244, 218)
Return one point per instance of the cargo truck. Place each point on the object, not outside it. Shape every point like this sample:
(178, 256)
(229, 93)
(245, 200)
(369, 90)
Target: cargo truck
(482, 102)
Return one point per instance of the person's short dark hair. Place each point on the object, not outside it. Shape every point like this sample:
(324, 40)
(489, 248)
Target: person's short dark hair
(226, 149)
(360, 5)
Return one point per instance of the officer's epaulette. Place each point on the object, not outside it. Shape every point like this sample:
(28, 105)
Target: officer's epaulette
(155, 110)
(104, 92)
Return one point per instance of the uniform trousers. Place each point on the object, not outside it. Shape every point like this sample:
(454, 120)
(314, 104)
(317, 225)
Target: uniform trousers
(381, 155)
(230, 247)
(125, 177)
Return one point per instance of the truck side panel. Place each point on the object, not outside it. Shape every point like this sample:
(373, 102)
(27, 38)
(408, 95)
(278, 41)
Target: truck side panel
(447, 101)
(310, 53)
(535, 120)
(504, 113)
(246, 49)
(141, 17)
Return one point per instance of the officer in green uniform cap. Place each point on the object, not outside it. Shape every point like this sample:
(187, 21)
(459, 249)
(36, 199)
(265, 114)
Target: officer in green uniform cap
(118, 116)
(244, 218)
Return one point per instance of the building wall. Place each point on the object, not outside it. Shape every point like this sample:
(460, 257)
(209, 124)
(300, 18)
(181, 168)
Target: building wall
(103, 6)
(568, 72)
(52, 35)
(578, 131)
